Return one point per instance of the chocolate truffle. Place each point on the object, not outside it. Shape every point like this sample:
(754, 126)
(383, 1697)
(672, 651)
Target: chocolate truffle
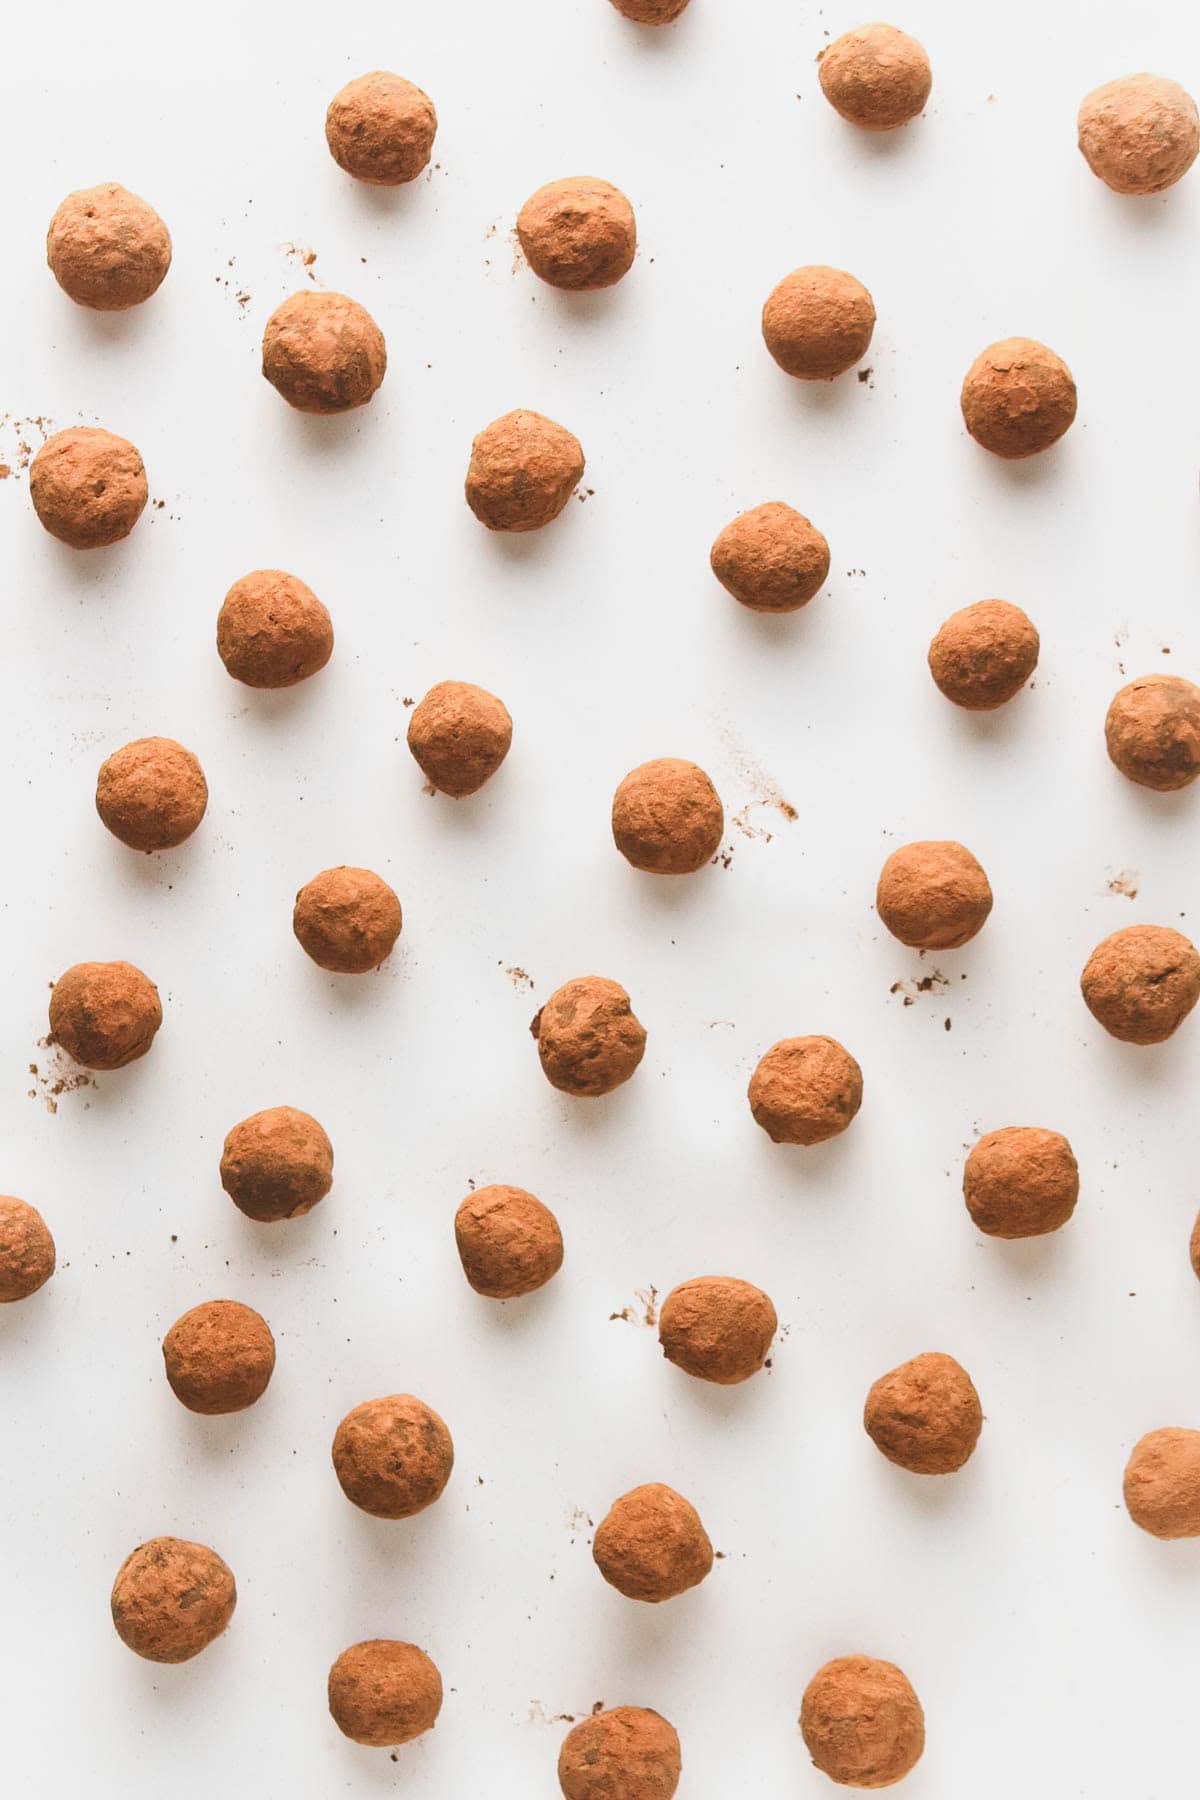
(277, 1164)
(104, 1014)
(392, 1456)
(862, 1722)
(459, 736)
(509, 1243)
(107, 249)
(650, 12)
(578, 234)
(984, 654)
(1162, 1483)
(818, 323)
(588, 1038)
(384, 1692)
(272, 631)
(88, 487)
(875, 77)
(380, 129)
(347, 920)
(650, 1544)
(1139, 134)
(804, 1090)
(523, 470)
(925, 1415)
(933, 895)
(323, 352)
(26, 1250)
(1021, 1181)
(1141, 983)
(151, 794)
(1194, 1247)
(171, 1599)
(717, 1328)
(1017, 398)
(667, 817)
(219, 1357)
(1153, 732)
(626, 1753)
(771, 558)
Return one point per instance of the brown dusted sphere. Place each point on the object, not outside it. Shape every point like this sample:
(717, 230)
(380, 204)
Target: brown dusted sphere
(772, 559)
(650, 1544)
(523, 470)
(380, 129)
(1141, 983)
(875, 77)
(219, 1357)
(393, 1456)
(459, 736)
(667, 817)
(925, 1415)
(104, 1014)
(1020, 1182)
(1162, 1483)
(1017, 398)
(151, 793)
(717, 1328)
(650, 12)
(1194, 1247)
(277, 1164)
(347, 920)
(818, 323)
(804, 1090)
(508, 1242)
(323, 352)
(171, 1599)
(862, 1722)
(1139, 134)
(626, 1753)
(107, 248)
(26, 1250)
(578, 234)
(384, 1692)
(984, 654)
(88, 487)
(588, 1037)
(1153, 732)
(272, 631)
(933, 895)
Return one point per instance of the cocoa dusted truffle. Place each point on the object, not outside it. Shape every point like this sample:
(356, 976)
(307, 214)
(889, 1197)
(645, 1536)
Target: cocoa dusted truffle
(875, 77)
(272, 631)
(862, 1722)
(26, 1250)
(508, 1242)
(1020, 1182)
(1162, 1483)
(277, 1164)
(323, 352)
(1139, 134)
(717, 1328)
(925, 1415)
(1017, 398)
(171, 1599)
(578, 234)
(771, 559)
(1194, 1247)
(588, 1037)
(1141, 983)
(347, 920)
(804, 1090)
(88, 487)
(384, 1692)
(151, 794)
(459, 735)
(984, 654)
(818, 323)
(667, 817)
(523, 470)
(219, 1357)
(392, 1456)
(626, 1753)
(933, 895)
(1153, 732)
(380, 129)
(650, 12)
(650, 1545)
(104, 1014)
(107, 248)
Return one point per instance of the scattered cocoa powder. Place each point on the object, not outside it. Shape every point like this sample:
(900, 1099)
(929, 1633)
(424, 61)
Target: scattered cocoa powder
(818, 323)
(1021, 1181)
(171, 1599)
(578, 234)
(1139, 134)
(107, 248)
(1018, 398)
(88, 487)
(1141, 983)
(347, 920)
(384, 1692)
(104, 1014)
(27, 1254)
(272, 631)
(876, 77)
(626, 1753)
(651, 1546)
(380, 129)
(393, 1456)
(771, 559)
(323, 352)
(933, 895)
(1153, 732)
(588, 1037)
(984, 654)
(508, 1242)
(151, 794)
(667, 817)
(805, 1090)
(862, 1722)
(459, 735)
(523, 468)
(717, 1328)
(1162, 1483)
(925, 1415)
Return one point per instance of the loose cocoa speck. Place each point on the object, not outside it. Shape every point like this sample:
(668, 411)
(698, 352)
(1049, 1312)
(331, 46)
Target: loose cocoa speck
(1125, 882)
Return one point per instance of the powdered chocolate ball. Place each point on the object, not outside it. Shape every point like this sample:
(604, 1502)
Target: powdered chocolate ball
(925, 1415)
(650, 12)
(1017, 398)
(459, 736)
(804, 1090)
(626, 1753)
(667, 817)
(578, 234)
(650, 1545)
(509, 1243)
(1153, 732)
(1141, 983)
(1021, 1181)
(933, 895)
(151, 794)
(875, 77)
(1194, 1247)
(984, 654)
(323, 352)
(272, 631)
(219, 1357)
(771, 558)
(717, 1328)
(347, 920)
(818, 323)
(104, 1014)
(277, 1164)
(589, 1040)
(171, 1599)
(380, 129)
(107, 248)
(1162, 1483)
(1139, 134)
(393, 1456)
(88, 487)
(522, 472)
(862, 1722)
(384, 1692)
(26, 1250)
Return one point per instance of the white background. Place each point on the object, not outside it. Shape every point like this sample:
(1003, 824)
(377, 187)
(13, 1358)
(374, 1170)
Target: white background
(1053, 1645)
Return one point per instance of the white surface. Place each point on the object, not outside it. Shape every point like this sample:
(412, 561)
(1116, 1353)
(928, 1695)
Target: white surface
(1053, 1645)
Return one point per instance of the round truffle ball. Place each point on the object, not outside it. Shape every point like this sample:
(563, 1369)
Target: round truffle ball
(650, 1544)
(933, 895)
(772, 559)
(875, 77)
(393, 1456)
(380, 129)
(626, 1753)
(1194, 1247)
(862, 1722)
(1153, 732)
(1141, 983)
(384, 1692)
(219, 1357)
(1017, 398)
(151, 794)
(650, 12)
(717, 1328)
(347, 920)
(26, 1250)
(1020, 1182)
(804, 1090)
(104, 1014)
(523, 470)
(88, 487)
(984, 654)
(509, 1243)
(107, 248)
(171, 1599)
(1162, 1483)
(667, 817)
(578, 234)
(1139, 134)
(818, 323)
(925, 1415)
(459, 735)
(588, 1037)
(277, 1164)
(323, 352)
(272, 631)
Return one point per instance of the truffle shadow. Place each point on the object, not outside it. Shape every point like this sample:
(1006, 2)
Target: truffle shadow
(931, 1496)
(1041, 1262)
